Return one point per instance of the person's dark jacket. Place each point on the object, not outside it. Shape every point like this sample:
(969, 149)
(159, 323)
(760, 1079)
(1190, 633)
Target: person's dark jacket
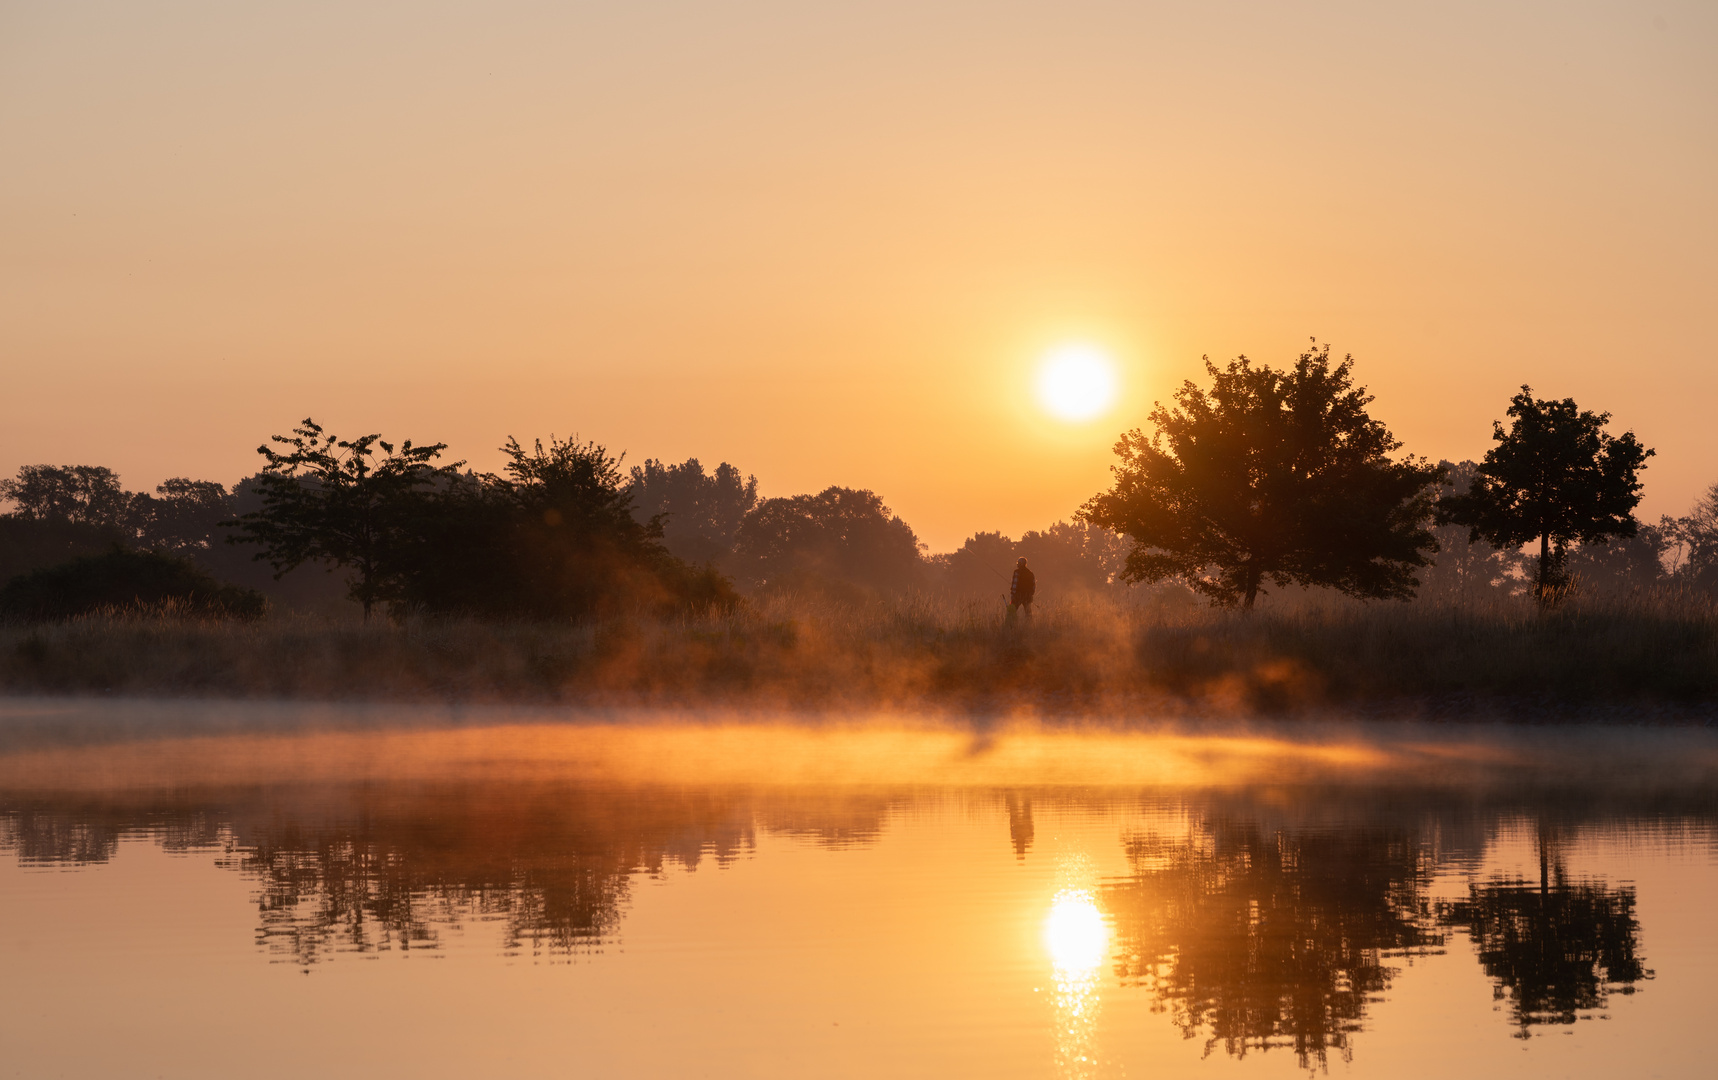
(1023, 586)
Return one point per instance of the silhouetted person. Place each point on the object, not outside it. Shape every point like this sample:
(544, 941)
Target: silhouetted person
(1020, 590)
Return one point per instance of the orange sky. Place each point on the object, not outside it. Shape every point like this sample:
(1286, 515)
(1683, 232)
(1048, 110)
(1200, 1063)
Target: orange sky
(826, 242)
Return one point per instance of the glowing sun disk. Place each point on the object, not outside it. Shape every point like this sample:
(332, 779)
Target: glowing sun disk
(1077, 382)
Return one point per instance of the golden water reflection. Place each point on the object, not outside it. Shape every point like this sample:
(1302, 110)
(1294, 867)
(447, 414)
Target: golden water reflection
(1244, 920)
(1078, 943)
(1254, 935)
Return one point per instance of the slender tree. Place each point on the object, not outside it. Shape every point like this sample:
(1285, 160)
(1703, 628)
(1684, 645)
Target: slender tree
(1556, 477)
(1696, 537)
(1271, 476)
(331, 500)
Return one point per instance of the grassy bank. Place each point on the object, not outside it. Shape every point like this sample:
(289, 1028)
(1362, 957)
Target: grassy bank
(1638, 659)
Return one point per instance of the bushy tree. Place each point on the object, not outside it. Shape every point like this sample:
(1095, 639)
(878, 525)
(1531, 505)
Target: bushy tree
(1620, 566)
(59, 513)
(79, 494)
(183, 515)
(1270, 476)
(839, 535)
(979, 567)
(1074, 557)
(1067, 558)
(330, 500)
(78, 512)
(553, 536)
(125, 580)
(1555, 476)
(700, 512)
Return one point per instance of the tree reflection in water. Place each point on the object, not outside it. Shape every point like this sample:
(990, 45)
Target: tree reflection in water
(1258, 938)
(1262, 925)
(392, 868)
(1555, 949)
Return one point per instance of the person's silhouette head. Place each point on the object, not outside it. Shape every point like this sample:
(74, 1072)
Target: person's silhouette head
(1022, 561)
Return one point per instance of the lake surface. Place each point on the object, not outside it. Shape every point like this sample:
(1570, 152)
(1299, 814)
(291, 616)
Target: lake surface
(219, 891)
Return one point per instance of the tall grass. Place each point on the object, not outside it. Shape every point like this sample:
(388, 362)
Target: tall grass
(1647, 656)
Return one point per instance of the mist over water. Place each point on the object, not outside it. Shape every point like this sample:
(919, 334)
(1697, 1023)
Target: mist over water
(650, 895)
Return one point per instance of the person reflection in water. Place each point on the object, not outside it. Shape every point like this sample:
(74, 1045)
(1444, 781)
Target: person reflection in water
(1020, 591)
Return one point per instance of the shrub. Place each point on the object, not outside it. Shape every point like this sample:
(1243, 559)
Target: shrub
(122, 579)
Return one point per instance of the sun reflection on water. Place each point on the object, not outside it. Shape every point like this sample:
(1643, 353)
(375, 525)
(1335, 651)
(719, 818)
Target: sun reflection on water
(1074, 932)
(1078, 942)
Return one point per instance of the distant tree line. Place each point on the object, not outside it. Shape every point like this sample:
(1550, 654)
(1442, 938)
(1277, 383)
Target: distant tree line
(1266, 480)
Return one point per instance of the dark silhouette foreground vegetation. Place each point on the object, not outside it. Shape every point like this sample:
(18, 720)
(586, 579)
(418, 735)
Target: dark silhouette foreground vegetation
(553, 536)
(563, 577)
(1271, 476)
(121, 578)
(1587, 660)
(1555, 478)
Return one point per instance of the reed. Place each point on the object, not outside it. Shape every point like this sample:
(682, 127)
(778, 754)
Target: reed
(1650, 656)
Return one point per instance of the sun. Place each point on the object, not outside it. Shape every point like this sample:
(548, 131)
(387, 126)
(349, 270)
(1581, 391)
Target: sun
(1077, 382)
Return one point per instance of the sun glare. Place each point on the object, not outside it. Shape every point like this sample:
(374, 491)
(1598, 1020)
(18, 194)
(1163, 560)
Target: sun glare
(1077, 382)
(1074, 932)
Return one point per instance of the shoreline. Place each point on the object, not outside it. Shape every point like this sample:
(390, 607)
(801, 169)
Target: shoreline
(1618, 664)
(89, 742)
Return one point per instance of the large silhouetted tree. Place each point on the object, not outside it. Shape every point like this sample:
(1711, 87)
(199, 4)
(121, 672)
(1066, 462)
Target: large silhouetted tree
(335, 501)
(1271, 476)
(1556, 477)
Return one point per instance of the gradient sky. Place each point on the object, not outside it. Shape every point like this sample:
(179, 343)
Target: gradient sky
(827, 241)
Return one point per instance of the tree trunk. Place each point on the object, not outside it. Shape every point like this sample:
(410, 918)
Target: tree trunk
(1252, 590)
(1543, 591)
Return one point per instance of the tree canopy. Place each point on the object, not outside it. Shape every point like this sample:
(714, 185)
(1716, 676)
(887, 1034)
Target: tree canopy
(1555, 476)
(552, 536)
(79, 494)
(183, 515)
(336, 501)
(1068, 558)
(700, 512)
(1277, 476)
(839, 535)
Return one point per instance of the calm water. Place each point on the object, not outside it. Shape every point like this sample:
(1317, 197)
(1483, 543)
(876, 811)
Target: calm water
(500, 896)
